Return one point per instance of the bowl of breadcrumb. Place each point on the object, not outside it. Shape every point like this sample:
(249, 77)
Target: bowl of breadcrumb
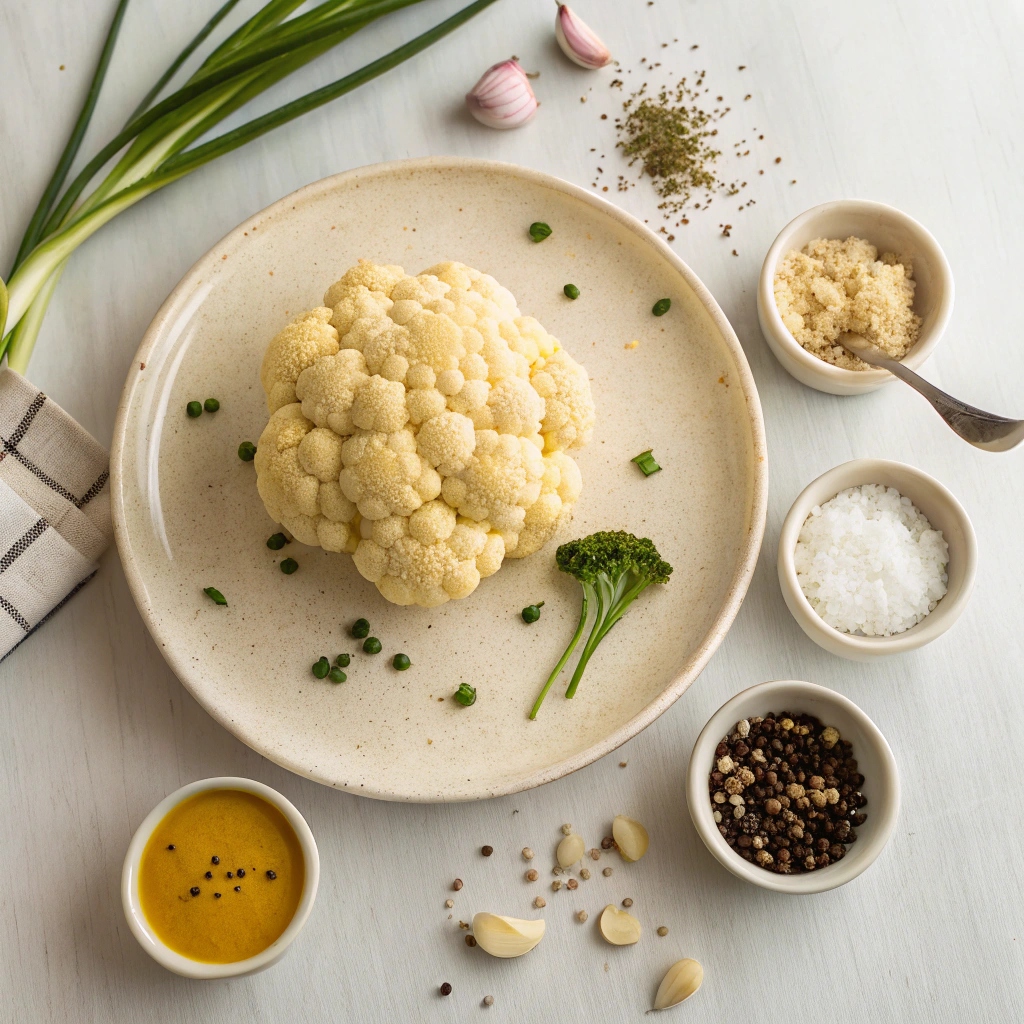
(859, 267)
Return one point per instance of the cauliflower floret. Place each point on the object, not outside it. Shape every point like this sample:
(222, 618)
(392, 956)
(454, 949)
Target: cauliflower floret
(430, 437)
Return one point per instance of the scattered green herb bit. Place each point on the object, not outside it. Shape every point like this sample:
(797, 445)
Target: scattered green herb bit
(214, 595)
(661, 307)
(194, 409)
(342, 660)
(539, 230)
(372, 645)
(531, 613)
(321, 668)
(276, 541)
(336, 675)
(360, 628)
(401, 662)
(614, 569)
(211, 405)
(247, 451)
(571, 291)
(288, 566)
(645, 460)
(466, 695)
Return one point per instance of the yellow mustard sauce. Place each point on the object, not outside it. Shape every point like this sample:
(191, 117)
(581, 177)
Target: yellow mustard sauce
(254, 862)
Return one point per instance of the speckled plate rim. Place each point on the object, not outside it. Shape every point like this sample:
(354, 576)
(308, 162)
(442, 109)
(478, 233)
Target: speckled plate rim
(746, 563)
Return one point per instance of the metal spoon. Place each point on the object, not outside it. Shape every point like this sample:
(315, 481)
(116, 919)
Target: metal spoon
(982, 429)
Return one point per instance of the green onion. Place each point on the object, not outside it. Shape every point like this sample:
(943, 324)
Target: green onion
(360, 628)
(342, 660)
(194, 409)
(539, 230)
(336, 675)
(531, 613)
(661, 307)
(288, 566)
(211, 405)
(214, 595)
(645, 460)
(401, 662)
(571, 291)
(465, 695)
(161, 141)
(372, 645)
(321, 667)
(277, 541)
(247, 451)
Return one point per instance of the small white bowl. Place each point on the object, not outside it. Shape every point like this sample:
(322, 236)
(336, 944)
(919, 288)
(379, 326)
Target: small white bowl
(141, 928)
(942, 510)
(875, 762)
(891, 231)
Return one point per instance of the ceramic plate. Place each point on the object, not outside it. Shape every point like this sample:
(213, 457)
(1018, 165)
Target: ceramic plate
(187, 515)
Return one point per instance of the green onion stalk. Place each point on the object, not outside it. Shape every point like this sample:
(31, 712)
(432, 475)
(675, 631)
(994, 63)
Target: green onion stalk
(159, 144)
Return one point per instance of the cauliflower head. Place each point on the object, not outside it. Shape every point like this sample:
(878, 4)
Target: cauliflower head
(421, 424)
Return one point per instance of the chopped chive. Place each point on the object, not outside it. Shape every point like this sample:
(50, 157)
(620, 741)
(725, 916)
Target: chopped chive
(645, 460)
(401, 662)
(247, 451)
(372, 645)
(465, 695)
(288, 566)
(661, 307)
(214, 595)
(360, 628)
(531, 613)
(321, 667)
(342, 660)
(194, 409)
(539, 230)
(571, 291)
(336, 675)
(211, 405)
(277, 541)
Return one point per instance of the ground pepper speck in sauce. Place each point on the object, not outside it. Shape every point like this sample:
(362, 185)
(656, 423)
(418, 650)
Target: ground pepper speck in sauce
(785, 792)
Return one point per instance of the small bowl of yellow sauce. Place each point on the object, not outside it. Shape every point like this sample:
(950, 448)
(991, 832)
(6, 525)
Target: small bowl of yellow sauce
(220, 878)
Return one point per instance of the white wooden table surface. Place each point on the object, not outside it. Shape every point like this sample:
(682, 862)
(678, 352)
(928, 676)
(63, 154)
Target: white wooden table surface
(918, 103)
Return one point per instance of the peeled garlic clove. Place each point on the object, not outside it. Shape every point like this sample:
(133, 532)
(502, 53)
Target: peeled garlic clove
(578, 41)
(570, 850)
(680, 982)
(503, 97)
(618, 927)
(630, 837)
(506, 936)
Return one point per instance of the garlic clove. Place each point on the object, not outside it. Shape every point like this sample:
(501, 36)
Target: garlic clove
(680, 982)
(630, 837)
(618, 927)
(506, 936)
(578, 41)
(570, 850)
(503, 98)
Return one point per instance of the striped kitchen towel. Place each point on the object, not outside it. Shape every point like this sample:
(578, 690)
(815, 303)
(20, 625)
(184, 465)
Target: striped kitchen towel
(54, 508)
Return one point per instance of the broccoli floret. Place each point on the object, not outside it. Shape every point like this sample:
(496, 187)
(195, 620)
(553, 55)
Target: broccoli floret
(614, 568)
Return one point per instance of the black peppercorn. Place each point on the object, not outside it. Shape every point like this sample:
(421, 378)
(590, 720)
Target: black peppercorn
(215, 860)
(487, 850)
(209, 874)
(194, 890)
(238, 888)
(171, 847)
(446, 989)
(230, 875)
(240, 872)
(271, 875)
(216, 895)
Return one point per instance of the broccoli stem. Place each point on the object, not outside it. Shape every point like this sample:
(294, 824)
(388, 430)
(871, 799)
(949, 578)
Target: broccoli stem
(587, 591)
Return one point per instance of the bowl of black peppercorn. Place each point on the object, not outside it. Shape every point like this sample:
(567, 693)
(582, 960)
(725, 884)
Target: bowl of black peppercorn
(793, 788)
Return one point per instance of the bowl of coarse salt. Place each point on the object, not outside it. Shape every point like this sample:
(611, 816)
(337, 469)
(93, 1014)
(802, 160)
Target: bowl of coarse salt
(871, 290)
(876, 558)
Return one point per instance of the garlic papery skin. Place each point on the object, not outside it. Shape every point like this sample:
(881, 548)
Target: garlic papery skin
(680, 982)
(503, 98)
(506, 936)
(578, 41)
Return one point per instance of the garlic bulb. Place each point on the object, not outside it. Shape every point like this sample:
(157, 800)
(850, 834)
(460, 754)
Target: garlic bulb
(680, 982)
(578, 41)
(506, 936)
(630, 837)
(503, 97)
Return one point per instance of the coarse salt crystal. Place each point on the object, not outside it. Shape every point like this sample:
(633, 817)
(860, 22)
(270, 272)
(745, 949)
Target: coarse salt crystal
(869, 562)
